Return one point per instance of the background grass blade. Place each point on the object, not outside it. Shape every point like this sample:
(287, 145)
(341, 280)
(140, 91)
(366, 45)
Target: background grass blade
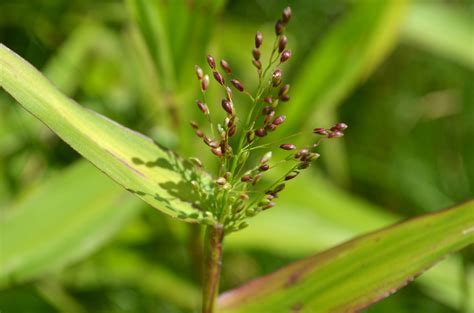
(360, 272)
(131, 159)
(441, 30)
(347, 55)
(61, 222)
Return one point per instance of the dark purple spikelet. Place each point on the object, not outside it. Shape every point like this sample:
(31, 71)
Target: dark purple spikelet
(279, 27)
(232, 130)
(340, 126)
(291, 176)
(267, 109)
(283, 90)
(286, 15)
(205, 83)
(237, 84)
(261, 132)
(227, 106)
(268, 100)
(246, 178)
(226, 67)
(282, 43)
(218, 77)
(202, 107)
(194, 125)
(279, 188)
(264, 167)
(285, 98)
(285, 56)
(257, 64)
(276, 77)
(199, 133)
(268, 118)
(335, 134)
(211, 62)
(258, 39)
(271, 127)
(279, 120)
(199, 72)
(217, 151)
(320, 131)
(288, 146)
(256, 54)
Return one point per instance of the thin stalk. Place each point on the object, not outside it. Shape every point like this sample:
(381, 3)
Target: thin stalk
(212, 266)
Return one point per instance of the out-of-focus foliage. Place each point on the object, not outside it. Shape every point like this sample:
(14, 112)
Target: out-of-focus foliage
(409, 104)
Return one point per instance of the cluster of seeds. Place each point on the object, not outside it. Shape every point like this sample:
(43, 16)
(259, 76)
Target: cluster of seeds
(239, 191)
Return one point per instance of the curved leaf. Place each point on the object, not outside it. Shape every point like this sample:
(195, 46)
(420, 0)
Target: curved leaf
(360, 272)
(62, 221)
(131, 159)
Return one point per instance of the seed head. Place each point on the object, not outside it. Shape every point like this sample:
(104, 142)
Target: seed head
(268, 100)
(199, 133)
(261, 132)
(286, 15)
(291, 176)
(320, 131)
(199, 72)
(282, 43)
(283, 90)
(279, 27)
(267, 109)
(285, 56)
(271, 127)
(238, 85)
(264, 167)
(269, 117)
(335, 134)
(246, 178)
(303, 165)
(279, 188)
(285, 98)
(217, 151)
(288, 146)
(211, 62)
(218, 77)
(269, 206)
(226, 66)
(258, 39)
(279, 120)
(194, 125)
(256, 54)
(204, 109)
(232, 130)
(266, 157)
(205, 83)
(340, 126)
(221, 181)
(227, 106)
(257, 64)
(276, 77)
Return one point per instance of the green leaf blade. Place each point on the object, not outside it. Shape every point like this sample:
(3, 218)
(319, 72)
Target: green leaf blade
(131, 159)
(56, 225)
(360, 272)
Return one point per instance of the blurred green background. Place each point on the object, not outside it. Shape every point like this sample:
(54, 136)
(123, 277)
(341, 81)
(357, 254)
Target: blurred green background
(399, 73)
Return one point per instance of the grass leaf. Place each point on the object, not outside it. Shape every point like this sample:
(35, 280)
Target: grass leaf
(347, 55)
(62, 221)
(360, 272)
(131, 159)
